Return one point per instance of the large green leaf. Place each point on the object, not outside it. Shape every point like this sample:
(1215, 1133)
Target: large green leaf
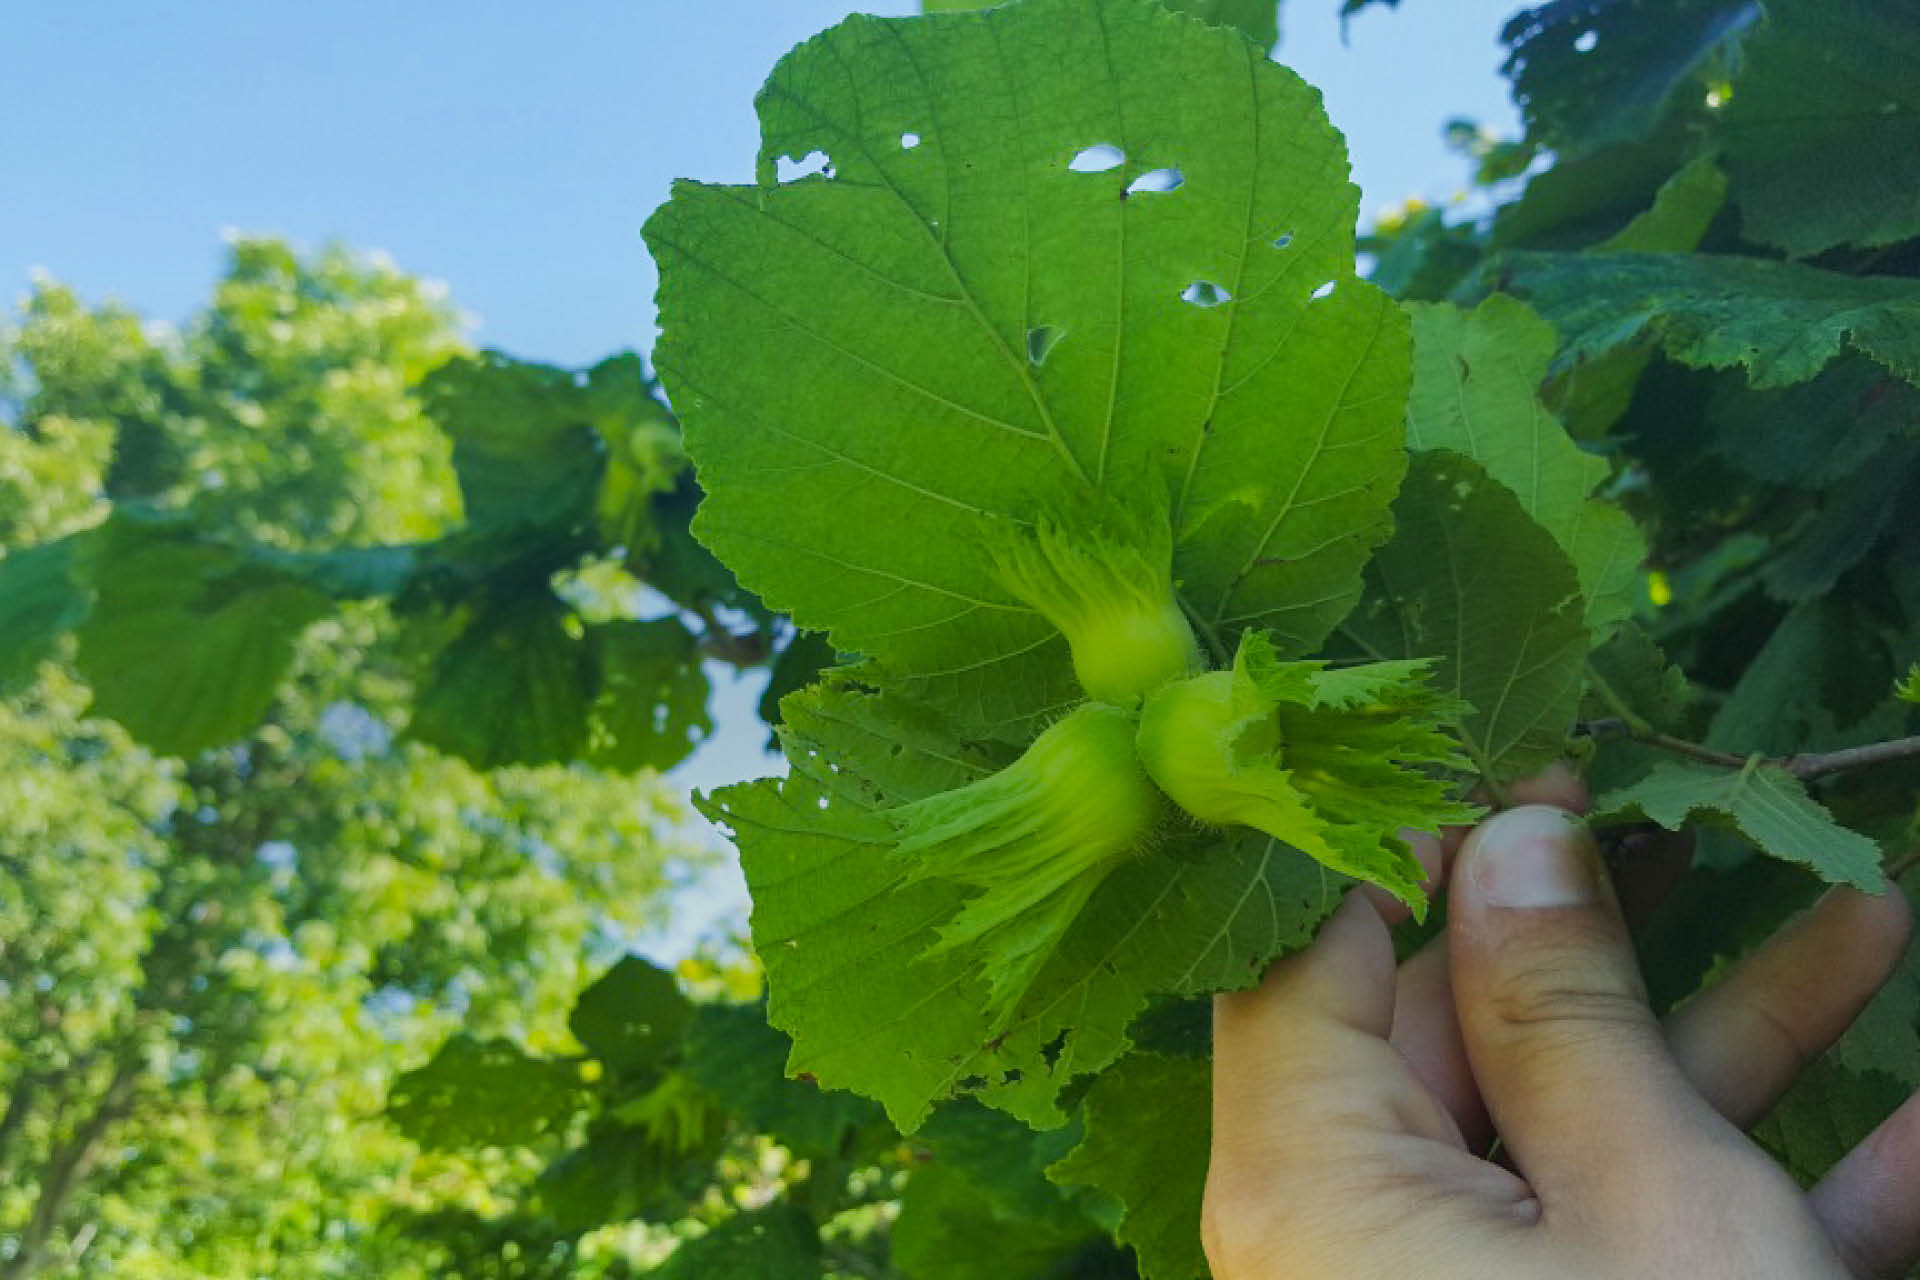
(1765, 803)
(1822, 134)
(1851, 520)
(514, 687)
(961, 324)
(844, 938)
(1476, 376)
(523, 447)
(1258, 20)
(1472, 580)
(1812, 433)
(1148, 1135)
(733, 1051)
(632, 1017)
(1784, 322)
(39, 601)
(475, 1093)
(778, 1242)
(1587, 74)
(652, 710)
(187, 642)
(952, 1228)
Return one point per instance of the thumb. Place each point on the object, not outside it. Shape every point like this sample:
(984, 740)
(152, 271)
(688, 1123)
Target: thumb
(1573, 1067)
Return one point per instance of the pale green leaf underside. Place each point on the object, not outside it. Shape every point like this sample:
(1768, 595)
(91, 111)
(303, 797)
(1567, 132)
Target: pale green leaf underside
(1784, 322)
(1476, 376)
(1146, 1146)
(955, 326)
(844, 938)
(1473, 581)
(1768, 805)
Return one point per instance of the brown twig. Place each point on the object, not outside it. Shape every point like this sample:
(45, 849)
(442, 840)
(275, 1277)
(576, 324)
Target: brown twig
(1812, 765)
(1899, 866)
(1805, 766)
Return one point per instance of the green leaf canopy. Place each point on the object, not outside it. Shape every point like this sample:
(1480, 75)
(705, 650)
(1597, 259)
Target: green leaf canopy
(1784, 322)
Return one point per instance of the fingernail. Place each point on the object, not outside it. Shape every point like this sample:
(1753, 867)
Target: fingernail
(1534, 856)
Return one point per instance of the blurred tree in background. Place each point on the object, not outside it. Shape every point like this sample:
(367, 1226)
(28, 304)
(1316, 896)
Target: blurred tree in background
(213, 966)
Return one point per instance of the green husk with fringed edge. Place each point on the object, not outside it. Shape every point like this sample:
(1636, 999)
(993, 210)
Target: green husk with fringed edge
(1330, 760)
(1104, 577)
(1036, 838)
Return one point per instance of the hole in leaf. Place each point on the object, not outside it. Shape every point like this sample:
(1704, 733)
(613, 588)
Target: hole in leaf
(1586, 41)
(1051, 1050)
(1041, 340)
(908, 141)
(787, 169)
(1205, 293)
(1323, 290)
(1282, 240)
(1156, 180)
(1097, 159)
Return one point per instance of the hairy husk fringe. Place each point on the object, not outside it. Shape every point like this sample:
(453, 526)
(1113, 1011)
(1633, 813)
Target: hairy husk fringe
(1329, 761)
(1104, 577)
(1037, 838)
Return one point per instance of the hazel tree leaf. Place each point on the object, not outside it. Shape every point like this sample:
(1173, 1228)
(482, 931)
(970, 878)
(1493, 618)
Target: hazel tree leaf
(514, 687)
(1060, 247)
(1782, 321)
(1828, 1111)
(1596, 393)
(778, 1242)
(1682, 210)
(1764, 803)
(652, 708)
(1886, 1036)
(40, 600)
(1587, 73)
(632, 1016)
(1822, 133)
(734, 1053)
(1148, 1135)
(845, 938)
(523, 447)
(186, 641)
(476, 1093)
(1476, 376)
(1815, 433)
(1257, 20)
(1473, 581)
(952, 1228)
(1854, 515)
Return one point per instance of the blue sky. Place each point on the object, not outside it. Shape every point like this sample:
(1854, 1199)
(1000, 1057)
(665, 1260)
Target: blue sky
(513, 150)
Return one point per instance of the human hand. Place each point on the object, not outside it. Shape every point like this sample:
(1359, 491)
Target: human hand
(1352, 1100)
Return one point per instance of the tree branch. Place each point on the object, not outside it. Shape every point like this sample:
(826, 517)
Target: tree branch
(67, 1168)
(1615, 727)
(1806, 766)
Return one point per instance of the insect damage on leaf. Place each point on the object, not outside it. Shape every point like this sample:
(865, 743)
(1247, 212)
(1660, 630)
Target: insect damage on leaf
(1329, 761)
